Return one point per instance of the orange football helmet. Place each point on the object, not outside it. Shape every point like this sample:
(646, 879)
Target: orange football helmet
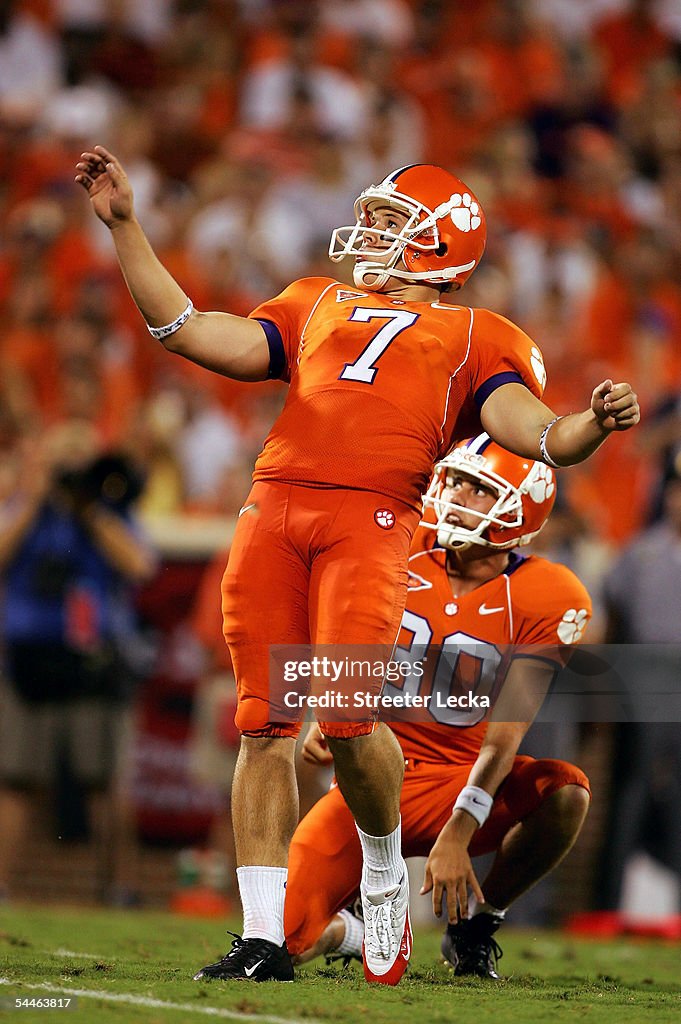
(442, 241)
(525, 492)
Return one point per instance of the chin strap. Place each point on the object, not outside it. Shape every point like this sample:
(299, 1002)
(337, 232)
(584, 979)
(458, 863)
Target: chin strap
(383, 274)
(376, 270)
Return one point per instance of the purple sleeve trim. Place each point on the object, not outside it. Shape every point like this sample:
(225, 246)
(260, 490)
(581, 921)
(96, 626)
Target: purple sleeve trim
(276, 347)
(492, 383)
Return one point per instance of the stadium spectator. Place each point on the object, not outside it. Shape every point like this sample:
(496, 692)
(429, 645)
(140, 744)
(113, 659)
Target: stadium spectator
(630, 39)
(661, 440)
(529, 811)
(643, 594)
(30, 65)
(304, 208)
(420, 232)
(88, 18)
(573, 20)
(69, 554)
(570, 540)
(213, 744)
(293, 87)
(207, 443)
(389, 22)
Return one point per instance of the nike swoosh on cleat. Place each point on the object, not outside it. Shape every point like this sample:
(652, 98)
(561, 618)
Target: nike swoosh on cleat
(484, 610)
(248, 971)
(376, 898)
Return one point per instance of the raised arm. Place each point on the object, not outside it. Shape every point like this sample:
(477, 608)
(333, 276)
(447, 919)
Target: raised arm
(519, 421)
(231, 345)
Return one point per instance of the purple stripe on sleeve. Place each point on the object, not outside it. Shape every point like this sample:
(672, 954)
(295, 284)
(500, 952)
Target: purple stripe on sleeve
(492, 383)
(276, 347)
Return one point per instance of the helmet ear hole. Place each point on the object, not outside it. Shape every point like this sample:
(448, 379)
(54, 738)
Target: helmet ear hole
(441, 249)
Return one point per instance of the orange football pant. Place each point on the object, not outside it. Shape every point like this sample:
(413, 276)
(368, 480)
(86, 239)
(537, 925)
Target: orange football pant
(312, 566)
(325, 857)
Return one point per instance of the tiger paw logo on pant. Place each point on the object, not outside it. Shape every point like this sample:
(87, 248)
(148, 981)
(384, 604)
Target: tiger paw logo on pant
(384, 518)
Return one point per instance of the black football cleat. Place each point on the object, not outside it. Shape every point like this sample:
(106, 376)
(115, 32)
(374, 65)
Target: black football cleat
(250, 960)
(469, 947)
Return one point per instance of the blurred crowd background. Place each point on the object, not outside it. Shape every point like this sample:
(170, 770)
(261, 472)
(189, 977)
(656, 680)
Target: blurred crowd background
(247, 128)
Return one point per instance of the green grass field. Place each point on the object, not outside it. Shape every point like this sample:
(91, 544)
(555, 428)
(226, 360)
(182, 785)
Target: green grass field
(137, 967)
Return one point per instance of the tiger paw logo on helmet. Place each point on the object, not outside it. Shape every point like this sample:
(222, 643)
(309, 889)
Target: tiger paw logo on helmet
(466, 213)
(441, 240)
(540, 484)
(572, 625)
(384, 518)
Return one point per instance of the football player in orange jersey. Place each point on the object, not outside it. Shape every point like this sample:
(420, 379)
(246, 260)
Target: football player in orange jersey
(471, 596)
(384, 378)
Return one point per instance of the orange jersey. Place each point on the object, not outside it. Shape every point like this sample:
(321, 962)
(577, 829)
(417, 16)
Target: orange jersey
(533, 602)
(381, 388)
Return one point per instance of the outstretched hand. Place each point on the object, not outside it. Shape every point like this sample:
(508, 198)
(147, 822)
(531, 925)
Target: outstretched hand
(448, 873)
(107, 186)
(615, 406)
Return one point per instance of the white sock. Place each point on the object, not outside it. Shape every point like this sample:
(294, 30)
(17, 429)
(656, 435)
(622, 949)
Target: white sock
(351, 943)
(485, 908)
(262, 896)
(383, 863)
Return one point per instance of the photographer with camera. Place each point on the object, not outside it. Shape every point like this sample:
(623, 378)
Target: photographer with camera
(70, 555)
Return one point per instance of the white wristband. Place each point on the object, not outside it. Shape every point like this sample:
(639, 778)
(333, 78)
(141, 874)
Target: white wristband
(476, 801)
(164, 332)
(542, 445)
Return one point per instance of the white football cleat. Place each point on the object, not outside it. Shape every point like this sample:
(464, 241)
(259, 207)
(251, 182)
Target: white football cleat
(387, 932)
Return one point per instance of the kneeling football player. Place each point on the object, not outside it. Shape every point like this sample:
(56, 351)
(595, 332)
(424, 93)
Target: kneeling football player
(466, 791)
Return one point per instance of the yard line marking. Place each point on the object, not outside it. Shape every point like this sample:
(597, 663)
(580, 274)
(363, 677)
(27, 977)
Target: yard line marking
(72, 953)
(155, 1004)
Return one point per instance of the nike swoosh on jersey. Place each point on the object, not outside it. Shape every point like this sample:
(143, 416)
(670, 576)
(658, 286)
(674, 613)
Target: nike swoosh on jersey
(484, 610)
(246, 508)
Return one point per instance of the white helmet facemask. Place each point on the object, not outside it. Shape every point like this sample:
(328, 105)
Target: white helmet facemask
(420, 232)
(507, 511)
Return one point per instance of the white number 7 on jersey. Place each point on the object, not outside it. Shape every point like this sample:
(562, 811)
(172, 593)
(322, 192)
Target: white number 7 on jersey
(363, 368)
